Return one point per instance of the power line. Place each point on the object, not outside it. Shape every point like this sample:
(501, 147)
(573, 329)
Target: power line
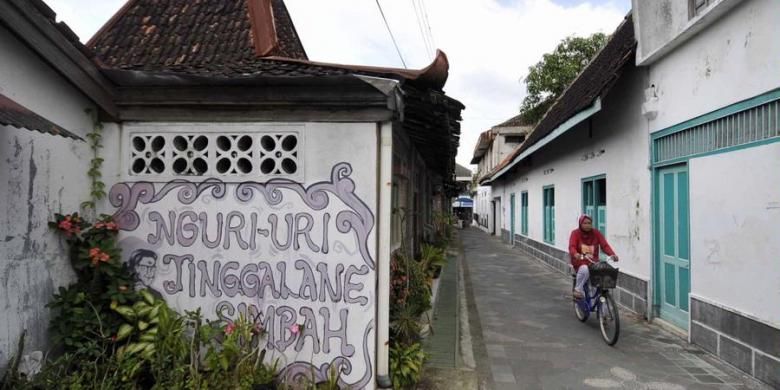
(418, 15)
(428, 23)
(391, 34)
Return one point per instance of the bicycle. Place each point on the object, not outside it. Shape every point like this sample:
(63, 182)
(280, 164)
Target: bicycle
(603, 278)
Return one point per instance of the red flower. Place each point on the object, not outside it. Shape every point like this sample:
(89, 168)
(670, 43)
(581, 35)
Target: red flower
(65, 225)
(295, 329)
(96, 256)
(230, 328)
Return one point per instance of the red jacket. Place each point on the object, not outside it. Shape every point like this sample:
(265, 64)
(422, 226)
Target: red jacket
(581, 242)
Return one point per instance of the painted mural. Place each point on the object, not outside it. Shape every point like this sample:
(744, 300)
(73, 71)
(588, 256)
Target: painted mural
(296, 257)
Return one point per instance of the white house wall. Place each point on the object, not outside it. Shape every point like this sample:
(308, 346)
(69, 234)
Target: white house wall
(43, 174)
(300, 252)
(733, 59)
(620, 134)
(619, 150)
(734, 231)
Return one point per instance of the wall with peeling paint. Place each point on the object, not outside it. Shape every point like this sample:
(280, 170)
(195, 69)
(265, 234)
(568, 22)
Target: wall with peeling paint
(42, 174)
(617, 148)
(735, 58)
(733, 242)
(734, 233)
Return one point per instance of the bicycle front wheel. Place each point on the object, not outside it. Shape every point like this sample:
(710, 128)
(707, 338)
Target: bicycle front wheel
(609, 319)
(579, 311)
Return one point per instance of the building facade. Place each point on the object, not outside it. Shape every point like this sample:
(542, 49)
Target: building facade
(674, 154)
(253, 179)
(493, 146)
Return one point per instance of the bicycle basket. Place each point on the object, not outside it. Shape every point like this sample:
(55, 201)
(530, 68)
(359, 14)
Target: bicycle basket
(603, 275)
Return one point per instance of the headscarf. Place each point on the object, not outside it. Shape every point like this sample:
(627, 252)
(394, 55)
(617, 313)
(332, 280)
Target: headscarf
(582, 219)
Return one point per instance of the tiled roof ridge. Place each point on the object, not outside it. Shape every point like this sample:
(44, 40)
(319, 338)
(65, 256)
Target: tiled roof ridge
(111, 22)
(435, 74)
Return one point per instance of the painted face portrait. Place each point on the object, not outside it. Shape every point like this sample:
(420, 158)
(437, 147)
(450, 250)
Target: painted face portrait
(144, 263)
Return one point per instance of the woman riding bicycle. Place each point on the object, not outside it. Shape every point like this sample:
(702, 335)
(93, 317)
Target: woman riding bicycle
(584, 244)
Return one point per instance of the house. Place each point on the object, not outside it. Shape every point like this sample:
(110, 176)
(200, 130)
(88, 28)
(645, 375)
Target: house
(50, 93)
(711, 105)
(493, 146)
(247, 169)
(659, 139)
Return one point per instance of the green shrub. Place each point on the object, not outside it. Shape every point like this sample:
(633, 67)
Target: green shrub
(406, 362)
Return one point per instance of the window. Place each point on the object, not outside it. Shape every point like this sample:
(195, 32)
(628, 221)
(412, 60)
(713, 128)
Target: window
(162, 152)
(524, 213)
(514, 139)
(549, 214)
(594, 201)
(695, 7)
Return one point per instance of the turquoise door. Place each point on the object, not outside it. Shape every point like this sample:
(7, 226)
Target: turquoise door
(673, 263)
(512, 218)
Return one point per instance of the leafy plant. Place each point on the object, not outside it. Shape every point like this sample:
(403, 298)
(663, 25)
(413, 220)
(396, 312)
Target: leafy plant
(406, 362)
(432, 259)
(83, 322)
(97, 187)
(548, 78)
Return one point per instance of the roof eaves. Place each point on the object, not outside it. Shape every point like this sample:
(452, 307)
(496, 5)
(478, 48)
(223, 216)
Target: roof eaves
(21, 117)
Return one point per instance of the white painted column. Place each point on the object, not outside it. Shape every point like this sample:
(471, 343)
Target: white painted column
(384, 217)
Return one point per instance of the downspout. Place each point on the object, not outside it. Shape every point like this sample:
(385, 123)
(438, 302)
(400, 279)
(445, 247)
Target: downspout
(383, 265)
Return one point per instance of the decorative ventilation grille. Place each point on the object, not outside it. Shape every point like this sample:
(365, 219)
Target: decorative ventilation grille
(211, 154)
(752, 125)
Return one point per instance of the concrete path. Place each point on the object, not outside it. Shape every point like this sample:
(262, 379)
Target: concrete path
(525, 335)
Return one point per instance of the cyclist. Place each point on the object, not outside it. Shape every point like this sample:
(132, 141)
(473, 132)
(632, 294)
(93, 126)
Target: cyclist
(584, 244)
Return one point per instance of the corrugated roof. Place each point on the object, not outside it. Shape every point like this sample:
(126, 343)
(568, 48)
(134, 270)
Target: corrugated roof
(593, 82)
(16, 115)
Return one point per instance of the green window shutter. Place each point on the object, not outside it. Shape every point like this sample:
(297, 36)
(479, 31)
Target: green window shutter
(549, 214)
(601, 216)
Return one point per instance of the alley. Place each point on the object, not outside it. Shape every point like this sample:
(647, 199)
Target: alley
(526, 336)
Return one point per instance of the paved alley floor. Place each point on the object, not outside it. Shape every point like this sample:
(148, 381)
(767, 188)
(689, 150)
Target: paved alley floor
(525, 334)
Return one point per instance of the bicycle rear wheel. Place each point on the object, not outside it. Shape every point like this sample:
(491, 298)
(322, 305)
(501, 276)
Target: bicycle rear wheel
(609, 319)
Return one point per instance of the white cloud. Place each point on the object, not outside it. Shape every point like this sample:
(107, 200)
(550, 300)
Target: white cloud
(490, 46)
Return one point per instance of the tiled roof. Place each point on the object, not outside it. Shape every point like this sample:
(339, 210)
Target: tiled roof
(196, 36)
(515, 121)
(225, 38)
(16, 115)
(461, 171)
(594, 81)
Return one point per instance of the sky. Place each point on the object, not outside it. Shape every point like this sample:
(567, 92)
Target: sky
(489, 43)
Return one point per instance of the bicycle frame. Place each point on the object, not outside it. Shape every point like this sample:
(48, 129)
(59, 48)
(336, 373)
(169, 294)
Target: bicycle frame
(590, 304)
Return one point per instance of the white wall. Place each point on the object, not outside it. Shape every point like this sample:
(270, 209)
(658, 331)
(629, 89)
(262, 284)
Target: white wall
(735, 58)
(733, 247)
(42, 174)
(482, 205)
(734, 231)
(338, 192)
(618, 130)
